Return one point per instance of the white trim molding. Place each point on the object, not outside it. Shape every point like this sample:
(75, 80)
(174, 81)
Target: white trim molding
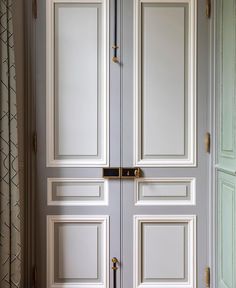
(190, 221)
(100, 184)
(188, 184)
(189, 157)
(91, 161)
(99, 219)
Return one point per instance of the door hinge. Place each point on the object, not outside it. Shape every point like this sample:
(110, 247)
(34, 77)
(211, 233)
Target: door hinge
(34, 277)
(207, 277)
(207, 142)
(35, 142)
(35, 9)
(208, 8)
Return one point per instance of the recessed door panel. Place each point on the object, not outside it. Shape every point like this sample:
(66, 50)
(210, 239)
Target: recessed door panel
(164, 91)
(77, 192)
(165, 191)
(164, 251)
(170, 264)
(226, 83)
(78, 251)
(226, 237)
(77, 86)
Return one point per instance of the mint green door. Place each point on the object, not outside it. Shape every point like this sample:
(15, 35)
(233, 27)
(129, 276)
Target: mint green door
(226, 160)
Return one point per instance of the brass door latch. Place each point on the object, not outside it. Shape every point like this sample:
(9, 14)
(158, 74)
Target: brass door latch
(126, 173)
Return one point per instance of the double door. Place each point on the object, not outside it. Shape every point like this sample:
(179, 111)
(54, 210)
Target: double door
(145, 109)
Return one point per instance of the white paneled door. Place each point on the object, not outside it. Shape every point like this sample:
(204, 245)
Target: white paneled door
(122, 171)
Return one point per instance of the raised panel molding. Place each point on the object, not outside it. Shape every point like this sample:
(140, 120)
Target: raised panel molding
(77, 115)
(174, 245)
(175, 148)
(226, 72)
(77, 192)
(165, 191)
(62, 232)
(226, 230)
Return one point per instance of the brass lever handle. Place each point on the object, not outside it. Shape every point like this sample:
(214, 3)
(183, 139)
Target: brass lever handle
(114, 267)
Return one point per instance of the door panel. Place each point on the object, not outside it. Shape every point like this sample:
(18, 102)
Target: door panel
(164, 251)
(226, 235)
(165, 191)
(81, 192)
(78, 83)
(78, 117)
(226, 84)
(164, 88)
(170, 117)
(226, 149)
(78, 251)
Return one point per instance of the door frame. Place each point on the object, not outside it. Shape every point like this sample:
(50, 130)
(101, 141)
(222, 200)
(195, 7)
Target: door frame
(29, 273)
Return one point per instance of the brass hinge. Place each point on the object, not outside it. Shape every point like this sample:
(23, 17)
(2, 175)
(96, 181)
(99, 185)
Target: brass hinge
(35, 9)
(208, 8)
(207, 142)
(35, 142)
(207, 277)
(34, 277)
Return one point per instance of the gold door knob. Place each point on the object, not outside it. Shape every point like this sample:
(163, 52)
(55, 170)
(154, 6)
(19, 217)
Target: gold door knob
(114, 260)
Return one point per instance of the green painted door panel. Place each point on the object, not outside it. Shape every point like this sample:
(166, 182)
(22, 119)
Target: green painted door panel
(226, 231)
(226, 136)
(226, 84)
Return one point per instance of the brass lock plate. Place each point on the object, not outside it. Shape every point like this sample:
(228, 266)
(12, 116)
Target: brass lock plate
(112, 173)
(128, 173)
